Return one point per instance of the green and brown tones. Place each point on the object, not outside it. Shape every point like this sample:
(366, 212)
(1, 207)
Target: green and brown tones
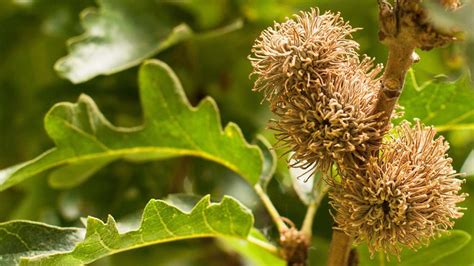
(401, 191)
(320, 91)
(406, 196)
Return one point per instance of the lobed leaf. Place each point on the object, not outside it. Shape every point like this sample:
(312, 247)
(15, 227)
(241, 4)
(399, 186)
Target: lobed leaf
(253, 253)
(439, 248)
(269, 161)
(446, 105)
(118, 34)
(38, 244)
(28, 239)
(86, 141)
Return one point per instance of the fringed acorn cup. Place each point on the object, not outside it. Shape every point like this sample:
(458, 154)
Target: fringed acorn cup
(408, 195)
(320, 92)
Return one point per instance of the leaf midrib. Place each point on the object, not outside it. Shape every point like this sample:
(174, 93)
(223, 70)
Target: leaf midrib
(144, 244)
(120, 153)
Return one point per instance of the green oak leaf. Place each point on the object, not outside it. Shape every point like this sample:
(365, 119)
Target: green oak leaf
(208, 13)
(269, 161)
(86, 141)
(248, 248)
(39, 244)
(447, 244)
(445, 105)
(119, 34)
(28, 239)
(252, 252)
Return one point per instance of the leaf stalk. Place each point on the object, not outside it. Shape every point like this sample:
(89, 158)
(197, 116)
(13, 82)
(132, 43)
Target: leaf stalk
(280, 224)
(320, 188)
(267, 246)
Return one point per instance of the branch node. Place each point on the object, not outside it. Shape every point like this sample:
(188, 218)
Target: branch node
(294, 246)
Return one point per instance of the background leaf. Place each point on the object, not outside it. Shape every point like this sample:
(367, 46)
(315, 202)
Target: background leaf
(118, 35)
(27, 239)
(253, 254)
(32, 38)
(446, 105)
(269, 161)
(439, 248)
(86, 141)
(160, 223)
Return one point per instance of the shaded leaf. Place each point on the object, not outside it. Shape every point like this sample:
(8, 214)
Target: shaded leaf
(319, 251)
(27, 239)
(446, 105)
(269, 161)
(438, 248)
(118, 35)
(469, 52)
(160, 223)
(303, 181)
(251, 252)
(468, 165)
(308, 185)
(208, 13)
(85, 140)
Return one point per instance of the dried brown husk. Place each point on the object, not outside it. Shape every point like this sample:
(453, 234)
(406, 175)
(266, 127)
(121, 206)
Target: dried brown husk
(405, 197)
(301, 50)
(322, 94)
(330, 122)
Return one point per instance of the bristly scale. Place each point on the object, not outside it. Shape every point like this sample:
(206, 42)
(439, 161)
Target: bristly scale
(406, 196)
(322, 94)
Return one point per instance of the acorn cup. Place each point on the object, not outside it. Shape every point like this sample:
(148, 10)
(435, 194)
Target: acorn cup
(406, 196)
(321, 93)
(392, 192)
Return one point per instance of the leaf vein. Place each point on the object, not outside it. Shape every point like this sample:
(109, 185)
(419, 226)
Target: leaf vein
(16, 236)
(165, 226)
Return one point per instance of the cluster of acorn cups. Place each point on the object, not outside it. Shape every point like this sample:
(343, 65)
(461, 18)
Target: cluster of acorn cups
(389, 186)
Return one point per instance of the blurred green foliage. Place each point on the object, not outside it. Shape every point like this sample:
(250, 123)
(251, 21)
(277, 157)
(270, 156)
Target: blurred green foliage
(212, 62)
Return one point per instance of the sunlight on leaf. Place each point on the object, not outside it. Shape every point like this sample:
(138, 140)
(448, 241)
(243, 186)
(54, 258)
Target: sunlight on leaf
(439, 248)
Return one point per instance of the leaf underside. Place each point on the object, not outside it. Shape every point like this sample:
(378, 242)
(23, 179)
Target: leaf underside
(30, 243)
(253, 253)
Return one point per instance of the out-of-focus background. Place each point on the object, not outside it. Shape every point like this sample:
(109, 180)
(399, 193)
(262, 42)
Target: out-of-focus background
(33, 35)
